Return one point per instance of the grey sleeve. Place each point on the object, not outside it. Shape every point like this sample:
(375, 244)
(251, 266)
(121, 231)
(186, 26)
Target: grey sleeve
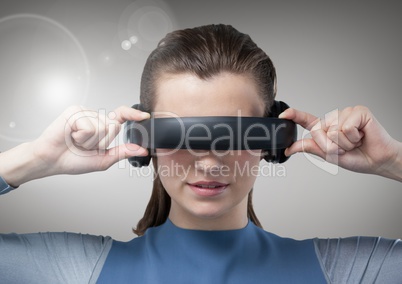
(360, 259)
(52, 257)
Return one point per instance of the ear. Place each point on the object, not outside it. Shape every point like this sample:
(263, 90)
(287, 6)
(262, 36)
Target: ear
(277, 108)
(277, 155)
(129, 132)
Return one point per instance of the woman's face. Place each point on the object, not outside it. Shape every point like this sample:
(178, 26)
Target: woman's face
(208, 189)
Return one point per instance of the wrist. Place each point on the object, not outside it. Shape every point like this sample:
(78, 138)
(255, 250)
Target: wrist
(393, 169)
(19, 165)
(5, 187)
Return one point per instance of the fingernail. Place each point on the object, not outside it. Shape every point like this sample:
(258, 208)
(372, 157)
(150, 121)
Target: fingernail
(145, 115)
(142, 151)
(341, 151)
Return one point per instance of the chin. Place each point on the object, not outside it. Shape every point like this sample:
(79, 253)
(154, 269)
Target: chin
(209, 211)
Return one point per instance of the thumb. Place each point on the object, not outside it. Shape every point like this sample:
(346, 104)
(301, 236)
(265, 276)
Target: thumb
(120, 152)
(306, 145)
(309, 146)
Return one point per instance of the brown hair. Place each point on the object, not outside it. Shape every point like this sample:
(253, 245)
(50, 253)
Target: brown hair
(204, 51)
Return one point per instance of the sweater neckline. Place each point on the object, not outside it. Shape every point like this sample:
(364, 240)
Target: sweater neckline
(171, 226)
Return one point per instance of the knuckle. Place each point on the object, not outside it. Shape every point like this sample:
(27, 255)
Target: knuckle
(349, 147)
(361, 108)
(348, 128)
(348, 109)
(90, 130)
(333, 135)
(332, 148)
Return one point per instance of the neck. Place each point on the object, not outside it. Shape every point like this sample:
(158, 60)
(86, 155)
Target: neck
(236, 218)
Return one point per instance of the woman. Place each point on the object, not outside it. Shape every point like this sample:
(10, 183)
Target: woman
(199, 226)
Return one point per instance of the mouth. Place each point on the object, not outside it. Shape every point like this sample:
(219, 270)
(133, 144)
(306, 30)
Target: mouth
(208, 188)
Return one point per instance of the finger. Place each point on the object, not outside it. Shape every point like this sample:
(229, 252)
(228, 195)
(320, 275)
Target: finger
(125, 113)
(307, 145)
(352, 124)
(112, 129)
(120, 152)
(97, 141)
(344, 131)
(304, 119)
(340, 139)
(321, 138)
(114, 121)
(85, 127)
(352, 121)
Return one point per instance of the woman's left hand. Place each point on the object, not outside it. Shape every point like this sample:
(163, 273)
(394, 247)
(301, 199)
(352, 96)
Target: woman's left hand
(351, 138)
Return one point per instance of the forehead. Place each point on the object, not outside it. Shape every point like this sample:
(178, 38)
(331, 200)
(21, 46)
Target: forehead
(223, 94)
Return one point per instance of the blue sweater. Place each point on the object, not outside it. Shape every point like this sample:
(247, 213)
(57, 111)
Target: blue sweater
(168, 254)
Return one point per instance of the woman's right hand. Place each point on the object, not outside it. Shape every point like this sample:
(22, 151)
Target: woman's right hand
(75, 143)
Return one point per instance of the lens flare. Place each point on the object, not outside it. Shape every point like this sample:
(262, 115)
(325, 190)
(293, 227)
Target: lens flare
(126, 44)
(44, 70)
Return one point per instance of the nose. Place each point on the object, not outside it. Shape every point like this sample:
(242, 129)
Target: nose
(209, 163)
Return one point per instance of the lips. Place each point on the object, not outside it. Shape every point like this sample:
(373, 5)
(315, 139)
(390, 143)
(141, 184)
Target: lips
(208, 188)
